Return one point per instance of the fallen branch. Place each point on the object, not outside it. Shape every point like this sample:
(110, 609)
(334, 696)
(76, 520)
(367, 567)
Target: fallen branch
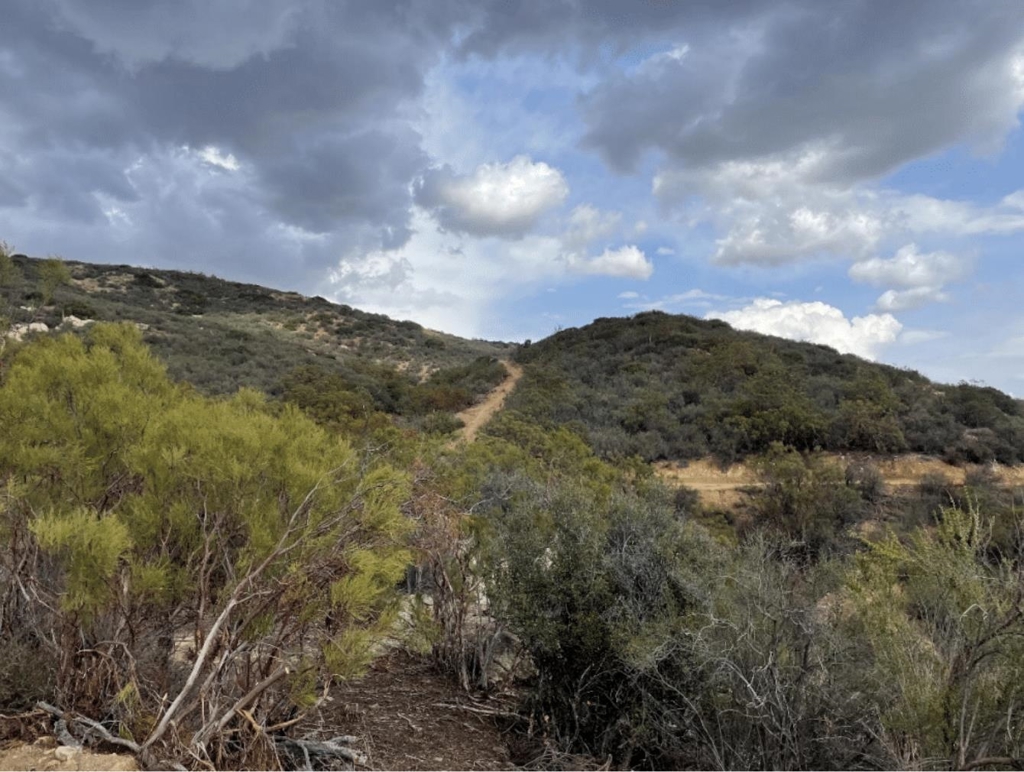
(479, 711)
(408, 720)
(333, 747)
(92, 726)
(996, 761)
(23, 716)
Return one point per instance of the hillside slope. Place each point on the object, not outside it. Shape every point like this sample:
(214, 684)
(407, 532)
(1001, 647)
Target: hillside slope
(677, 387)
(654, 385)
(221, 335)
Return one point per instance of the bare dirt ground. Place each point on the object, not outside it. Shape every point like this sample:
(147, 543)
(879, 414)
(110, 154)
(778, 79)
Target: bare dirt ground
(407, 716)
(724, 488)
(45, 754)
(475, 417)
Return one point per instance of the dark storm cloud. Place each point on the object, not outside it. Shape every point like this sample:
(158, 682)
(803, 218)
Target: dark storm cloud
(314, 101)
(584, 27)
(317, 102)
(880, 83)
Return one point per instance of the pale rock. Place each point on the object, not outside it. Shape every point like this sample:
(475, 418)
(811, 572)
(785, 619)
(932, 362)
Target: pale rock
(67, 752)
(19, 331)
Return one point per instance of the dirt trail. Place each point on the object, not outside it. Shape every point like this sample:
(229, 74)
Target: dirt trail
(407, 716)
(45, 754)
(724, 487)
(475, 417)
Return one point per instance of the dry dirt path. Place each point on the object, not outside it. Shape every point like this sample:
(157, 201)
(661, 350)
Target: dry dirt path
(725, 487)
(408, 716)
(474, 418)
(46, 755)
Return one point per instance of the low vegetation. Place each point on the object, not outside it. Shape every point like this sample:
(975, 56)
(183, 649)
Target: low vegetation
(187, 574)
(221, 335)
(676, 387)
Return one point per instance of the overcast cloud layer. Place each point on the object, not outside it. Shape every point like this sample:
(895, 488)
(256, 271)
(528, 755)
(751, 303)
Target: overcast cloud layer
(848, 173)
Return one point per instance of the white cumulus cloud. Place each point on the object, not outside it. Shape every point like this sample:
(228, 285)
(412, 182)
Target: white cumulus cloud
(497, 199)
(626, 262)
(906, 300)
(915, 279)
(816, 322)
(910, 269)
(587, 224)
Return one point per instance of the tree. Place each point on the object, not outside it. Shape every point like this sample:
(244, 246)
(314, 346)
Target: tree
(10, 275)
(53, 273)
(805, 498)
(172, 542)
(770, 408)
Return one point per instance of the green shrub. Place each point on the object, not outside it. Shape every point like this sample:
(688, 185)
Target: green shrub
(137, 509)
(81, 309)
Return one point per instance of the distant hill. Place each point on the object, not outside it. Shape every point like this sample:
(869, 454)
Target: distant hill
(656, 385)
(221, 335)
(677, 387)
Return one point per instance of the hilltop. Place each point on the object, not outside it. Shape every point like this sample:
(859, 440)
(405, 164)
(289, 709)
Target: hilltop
(677, 387)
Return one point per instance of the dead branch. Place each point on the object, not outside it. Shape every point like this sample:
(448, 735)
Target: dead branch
(218, 725)
(995, 761)
(479, 711)
(92, 726)
(333, 747)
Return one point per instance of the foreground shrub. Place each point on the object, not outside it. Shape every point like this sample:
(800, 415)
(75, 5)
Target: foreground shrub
(182, 559)
(944, 624)
(598, 585)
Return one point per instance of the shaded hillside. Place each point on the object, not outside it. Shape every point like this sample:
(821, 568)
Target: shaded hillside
(221, 335)
(664, 387)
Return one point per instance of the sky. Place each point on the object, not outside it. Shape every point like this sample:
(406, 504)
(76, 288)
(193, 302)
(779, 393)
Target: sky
(850, 173)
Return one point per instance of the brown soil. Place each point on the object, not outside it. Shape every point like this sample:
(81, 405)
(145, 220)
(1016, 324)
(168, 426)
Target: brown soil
(403, 712)
(474, 418)
(44, 754)
(724, 488)
(407, 716)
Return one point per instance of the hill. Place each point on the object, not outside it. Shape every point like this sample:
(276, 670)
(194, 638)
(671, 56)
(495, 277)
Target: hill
(222, 335)
(656, 385)
(676, 387)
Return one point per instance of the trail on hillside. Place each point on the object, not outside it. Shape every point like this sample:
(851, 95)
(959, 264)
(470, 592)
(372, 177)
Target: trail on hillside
(474, 418)
(724, 487)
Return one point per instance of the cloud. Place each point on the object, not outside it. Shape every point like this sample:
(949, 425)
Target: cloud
(925, 214)
(906, 300)
(810, 78)
(625, 262)
(496, 199)
(816, 322)
(694, 298)
(917, 278)
(911, 269)
(777, 124)
(773, 211)
(915, 337)
(587, 224)
(311, 101)
(628, 295)
(452, 281)
(214, 157)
